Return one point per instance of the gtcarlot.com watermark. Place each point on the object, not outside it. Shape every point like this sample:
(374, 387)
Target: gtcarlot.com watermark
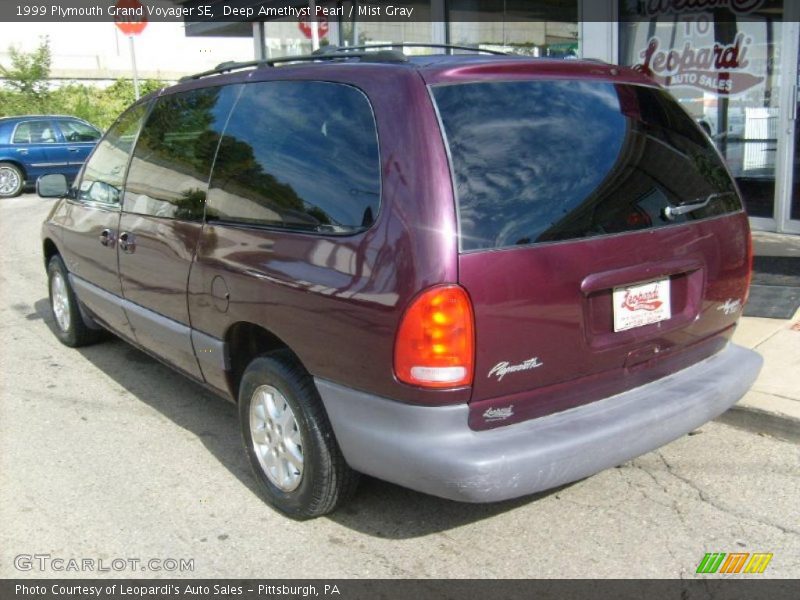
(48, 562)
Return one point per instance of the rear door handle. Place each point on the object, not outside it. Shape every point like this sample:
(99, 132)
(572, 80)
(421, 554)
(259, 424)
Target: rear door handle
(107, 237)
(22, 150)
(74, 149)
(127, 242)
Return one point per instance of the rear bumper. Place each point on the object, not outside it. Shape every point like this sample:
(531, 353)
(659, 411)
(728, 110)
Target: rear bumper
(432, 449)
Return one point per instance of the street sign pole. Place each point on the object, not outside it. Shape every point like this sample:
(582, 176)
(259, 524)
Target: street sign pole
(133, 64)
(312, 7)
(131, 28)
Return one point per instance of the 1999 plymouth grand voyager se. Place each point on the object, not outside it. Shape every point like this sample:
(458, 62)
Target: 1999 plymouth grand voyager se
(476, 276)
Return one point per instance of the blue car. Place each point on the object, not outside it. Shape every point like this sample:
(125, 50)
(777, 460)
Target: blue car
(32, 146)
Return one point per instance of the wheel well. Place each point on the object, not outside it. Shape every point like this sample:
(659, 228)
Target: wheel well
(49, 250)
(245, 341)
(19, 166)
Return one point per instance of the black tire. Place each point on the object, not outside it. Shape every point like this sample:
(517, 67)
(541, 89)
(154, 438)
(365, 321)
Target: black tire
(324, 480)
(71, 330)
(12, 180)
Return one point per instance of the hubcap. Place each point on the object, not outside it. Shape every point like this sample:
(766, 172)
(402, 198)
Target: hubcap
(9, 180)
(60, 301)
(276, 438)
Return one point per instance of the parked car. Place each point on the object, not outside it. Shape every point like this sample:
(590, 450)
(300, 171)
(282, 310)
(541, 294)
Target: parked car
(35, 145)
(475, 276)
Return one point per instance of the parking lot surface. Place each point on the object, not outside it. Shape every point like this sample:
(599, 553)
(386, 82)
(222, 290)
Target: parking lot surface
(106, 454)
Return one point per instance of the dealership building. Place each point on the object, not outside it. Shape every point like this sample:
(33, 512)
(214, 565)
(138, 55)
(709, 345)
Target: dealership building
(733, 64)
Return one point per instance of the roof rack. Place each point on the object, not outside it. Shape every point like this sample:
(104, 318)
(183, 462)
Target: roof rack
(227, 67)
(366, 53)
(330, 49)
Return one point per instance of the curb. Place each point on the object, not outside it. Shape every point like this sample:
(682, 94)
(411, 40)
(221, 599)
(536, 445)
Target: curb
(756, 420)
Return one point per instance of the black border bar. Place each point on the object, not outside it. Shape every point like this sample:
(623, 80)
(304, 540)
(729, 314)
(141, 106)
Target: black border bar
(400, 589)
(229, 11)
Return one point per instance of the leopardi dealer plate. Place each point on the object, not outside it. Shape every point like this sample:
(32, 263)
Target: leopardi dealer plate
(641, 304)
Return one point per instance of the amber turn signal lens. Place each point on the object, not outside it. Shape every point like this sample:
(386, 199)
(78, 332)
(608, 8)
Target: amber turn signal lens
(435, 345)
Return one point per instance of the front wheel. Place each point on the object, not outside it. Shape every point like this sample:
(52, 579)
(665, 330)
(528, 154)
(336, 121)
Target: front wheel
(11, 180)
(69, 325)
(289, 439)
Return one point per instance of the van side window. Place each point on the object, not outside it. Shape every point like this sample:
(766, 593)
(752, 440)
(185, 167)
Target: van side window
(169, 171)
(298, 155)
(104, 172)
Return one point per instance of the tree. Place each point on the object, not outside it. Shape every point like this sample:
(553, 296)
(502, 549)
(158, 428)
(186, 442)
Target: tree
(25, 90)
(29, 71)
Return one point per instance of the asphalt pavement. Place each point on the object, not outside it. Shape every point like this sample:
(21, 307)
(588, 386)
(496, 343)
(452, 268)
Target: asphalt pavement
(106, 455)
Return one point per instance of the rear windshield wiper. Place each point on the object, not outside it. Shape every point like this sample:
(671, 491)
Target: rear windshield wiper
(670, 212)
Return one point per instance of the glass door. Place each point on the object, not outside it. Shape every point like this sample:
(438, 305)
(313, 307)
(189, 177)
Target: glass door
(789, 216)
(727, 67)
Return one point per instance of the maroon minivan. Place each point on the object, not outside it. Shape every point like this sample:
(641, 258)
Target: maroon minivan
(476, 276)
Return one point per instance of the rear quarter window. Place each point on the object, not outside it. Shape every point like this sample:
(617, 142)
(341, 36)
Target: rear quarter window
(540, 161)
(298, 155)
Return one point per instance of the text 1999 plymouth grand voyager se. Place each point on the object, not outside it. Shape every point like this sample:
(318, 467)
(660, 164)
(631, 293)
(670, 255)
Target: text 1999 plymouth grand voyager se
(476, 276)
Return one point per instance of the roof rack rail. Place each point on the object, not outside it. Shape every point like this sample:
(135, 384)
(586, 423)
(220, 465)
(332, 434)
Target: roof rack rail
(330, 49)
(226, 67)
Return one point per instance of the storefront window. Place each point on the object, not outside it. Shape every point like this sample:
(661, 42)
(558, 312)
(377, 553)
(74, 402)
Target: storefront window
(794, 213)
(723, 65)
(357, 32)
(547, 29)
(286, 37)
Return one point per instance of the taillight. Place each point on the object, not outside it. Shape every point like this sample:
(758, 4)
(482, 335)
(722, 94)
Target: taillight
(435, 345)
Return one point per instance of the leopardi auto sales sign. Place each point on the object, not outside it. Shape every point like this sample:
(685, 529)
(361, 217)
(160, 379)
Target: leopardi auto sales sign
(721, 69)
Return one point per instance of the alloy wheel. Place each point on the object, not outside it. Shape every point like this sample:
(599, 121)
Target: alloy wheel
(276, 438)
(59, 299)
(9, 180)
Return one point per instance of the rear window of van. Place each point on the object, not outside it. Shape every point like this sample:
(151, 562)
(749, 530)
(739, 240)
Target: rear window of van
(542, 161)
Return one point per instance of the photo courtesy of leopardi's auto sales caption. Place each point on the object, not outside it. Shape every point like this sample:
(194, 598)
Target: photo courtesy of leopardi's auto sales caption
(174, 590)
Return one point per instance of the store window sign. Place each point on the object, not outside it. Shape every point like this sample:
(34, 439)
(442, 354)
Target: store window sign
(653, 8)
(721, 69)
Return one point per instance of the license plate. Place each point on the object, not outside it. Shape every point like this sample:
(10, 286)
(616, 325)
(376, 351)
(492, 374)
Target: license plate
(641, 304)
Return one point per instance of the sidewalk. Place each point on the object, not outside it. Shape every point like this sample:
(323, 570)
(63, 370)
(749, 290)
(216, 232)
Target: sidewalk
(772, 405)
(775, 244)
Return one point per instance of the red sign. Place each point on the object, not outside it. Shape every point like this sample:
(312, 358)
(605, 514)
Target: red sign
(130, 17)
(720, 69)
(305, 26)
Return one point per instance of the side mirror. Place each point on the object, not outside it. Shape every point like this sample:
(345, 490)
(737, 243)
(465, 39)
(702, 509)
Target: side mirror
(52, 186)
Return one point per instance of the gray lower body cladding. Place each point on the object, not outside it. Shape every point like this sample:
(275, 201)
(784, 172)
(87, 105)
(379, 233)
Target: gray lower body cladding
(433, 450)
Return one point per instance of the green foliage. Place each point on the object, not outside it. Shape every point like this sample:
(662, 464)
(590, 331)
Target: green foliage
(100, 106)
(26, 90)
(29, 71)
